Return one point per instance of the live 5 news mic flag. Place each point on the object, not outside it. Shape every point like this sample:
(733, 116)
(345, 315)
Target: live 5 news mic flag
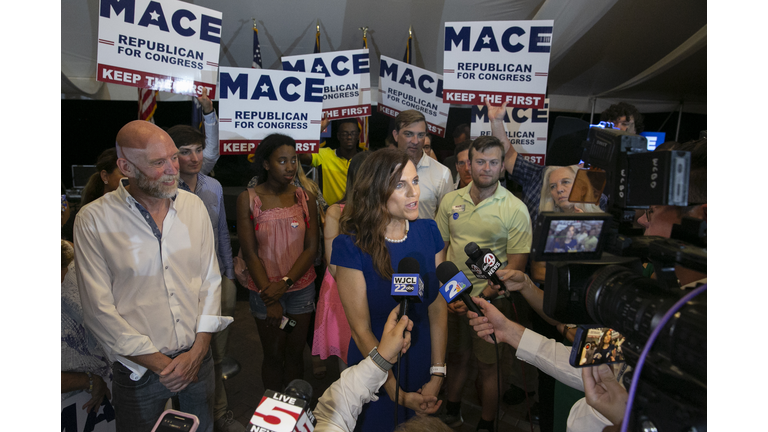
(289, 103)
(171, 46)
(497, 60)
(284, 412)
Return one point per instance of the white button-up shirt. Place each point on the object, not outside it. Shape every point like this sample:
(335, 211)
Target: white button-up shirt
(141, 295)
(434, 182)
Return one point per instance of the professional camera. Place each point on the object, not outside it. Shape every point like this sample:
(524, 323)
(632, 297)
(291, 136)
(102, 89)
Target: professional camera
(591, 286)
(601, 281)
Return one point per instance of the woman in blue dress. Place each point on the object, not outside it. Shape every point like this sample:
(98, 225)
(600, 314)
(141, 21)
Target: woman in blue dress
(379, 228)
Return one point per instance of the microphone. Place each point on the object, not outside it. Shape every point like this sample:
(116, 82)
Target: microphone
(457, 286)
(483, 263)
(407, 285)
(285, 412)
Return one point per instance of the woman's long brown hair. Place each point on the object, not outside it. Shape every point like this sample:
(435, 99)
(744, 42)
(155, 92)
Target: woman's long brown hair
(365, 215)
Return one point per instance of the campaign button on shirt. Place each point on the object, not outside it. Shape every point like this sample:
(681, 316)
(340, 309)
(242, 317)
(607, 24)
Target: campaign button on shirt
(294, 224)
(455, 216)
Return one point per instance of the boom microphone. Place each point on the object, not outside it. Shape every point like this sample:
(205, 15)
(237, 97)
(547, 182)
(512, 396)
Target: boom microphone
(285, 412)
(483, 263)
(407, 286)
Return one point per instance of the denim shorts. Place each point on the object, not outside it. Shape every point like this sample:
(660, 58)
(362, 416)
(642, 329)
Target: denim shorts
(294, 302)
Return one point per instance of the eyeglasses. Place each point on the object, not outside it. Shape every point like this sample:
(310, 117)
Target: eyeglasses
(347, 134)
(648, 212)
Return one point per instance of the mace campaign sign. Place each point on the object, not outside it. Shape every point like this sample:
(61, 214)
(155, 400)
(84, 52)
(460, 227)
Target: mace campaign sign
(403, 86)
(165, 45)
(497, 60)
(75, 419)
(254, 103)
(526, 129)
(347, 89)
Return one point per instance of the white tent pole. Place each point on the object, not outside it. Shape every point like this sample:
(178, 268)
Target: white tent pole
(679, 120)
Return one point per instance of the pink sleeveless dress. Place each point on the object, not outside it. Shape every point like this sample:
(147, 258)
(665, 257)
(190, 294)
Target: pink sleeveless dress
(332, 332)
(280, 236)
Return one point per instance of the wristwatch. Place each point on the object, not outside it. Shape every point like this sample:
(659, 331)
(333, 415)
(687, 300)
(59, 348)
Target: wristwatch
(379, 360)
(288, 282)
(437, 370)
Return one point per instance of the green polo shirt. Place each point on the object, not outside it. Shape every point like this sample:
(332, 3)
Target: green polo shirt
(500, 223)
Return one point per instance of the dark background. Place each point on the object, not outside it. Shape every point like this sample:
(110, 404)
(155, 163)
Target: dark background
(88, 127)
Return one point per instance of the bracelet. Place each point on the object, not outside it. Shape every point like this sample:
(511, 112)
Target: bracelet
(90, 382)
(380, 361)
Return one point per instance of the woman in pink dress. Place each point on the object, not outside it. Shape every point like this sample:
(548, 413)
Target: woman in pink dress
(332, 333)
(279, 239)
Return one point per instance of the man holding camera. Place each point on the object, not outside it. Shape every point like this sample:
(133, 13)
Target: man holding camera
(552, 357)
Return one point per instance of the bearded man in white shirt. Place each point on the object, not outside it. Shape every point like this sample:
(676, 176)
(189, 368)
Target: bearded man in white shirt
(150, 283)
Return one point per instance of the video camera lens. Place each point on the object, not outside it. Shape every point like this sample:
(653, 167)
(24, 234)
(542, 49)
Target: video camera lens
(621, 299)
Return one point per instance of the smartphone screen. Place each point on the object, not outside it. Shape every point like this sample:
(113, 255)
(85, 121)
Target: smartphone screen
(596, 345)
(174, 423)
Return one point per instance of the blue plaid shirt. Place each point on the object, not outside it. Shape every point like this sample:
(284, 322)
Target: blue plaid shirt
(210, 192)
(530, 177)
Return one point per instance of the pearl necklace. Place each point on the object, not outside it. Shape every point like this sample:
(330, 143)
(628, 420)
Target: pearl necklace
(402, 239)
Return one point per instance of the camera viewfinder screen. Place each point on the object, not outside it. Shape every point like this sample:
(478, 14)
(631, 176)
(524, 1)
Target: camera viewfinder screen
(573, 236)
(601, 345)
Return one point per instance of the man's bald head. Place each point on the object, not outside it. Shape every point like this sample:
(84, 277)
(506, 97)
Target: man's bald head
(148, 155)
(139, 135)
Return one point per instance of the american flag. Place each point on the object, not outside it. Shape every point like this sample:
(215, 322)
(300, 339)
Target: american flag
(256, 48)
(407, 58)
(147, 104)
(362, 122)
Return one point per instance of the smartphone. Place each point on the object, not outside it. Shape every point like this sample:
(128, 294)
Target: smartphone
(596, 345)
(176, 421)
(287, 324)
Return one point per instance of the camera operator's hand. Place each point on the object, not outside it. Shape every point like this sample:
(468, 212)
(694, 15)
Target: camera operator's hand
(396, 337)
(604, 393)
(494, 322)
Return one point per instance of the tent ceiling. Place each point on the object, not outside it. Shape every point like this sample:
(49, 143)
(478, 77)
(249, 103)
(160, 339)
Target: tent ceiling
(597, 44)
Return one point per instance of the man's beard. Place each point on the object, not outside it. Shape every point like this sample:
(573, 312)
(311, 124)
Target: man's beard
(156, 188)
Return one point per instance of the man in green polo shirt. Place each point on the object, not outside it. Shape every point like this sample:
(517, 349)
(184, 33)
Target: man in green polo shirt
(335, 163)
(489, 215)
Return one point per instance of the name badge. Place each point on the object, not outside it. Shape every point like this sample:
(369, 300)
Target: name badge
(458, 208)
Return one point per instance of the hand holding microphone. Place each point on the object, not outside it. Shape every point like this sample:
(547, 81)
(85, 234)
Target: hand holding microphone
(456, 287)
(396, 337)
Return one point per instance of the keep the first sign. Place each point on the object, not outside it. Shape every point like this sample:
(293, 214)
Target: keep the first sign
(171, 45)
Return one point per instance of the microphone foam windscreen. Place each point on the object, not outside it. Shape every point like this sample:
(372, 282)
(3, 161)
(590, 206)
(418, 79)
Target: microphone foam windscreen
(446, 271)
(300, 389)
(408, 265)
(472, 250)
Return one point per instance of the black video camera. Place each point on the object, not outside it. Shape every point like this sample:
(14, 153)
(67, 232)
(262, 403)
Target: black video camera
(600, 278)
